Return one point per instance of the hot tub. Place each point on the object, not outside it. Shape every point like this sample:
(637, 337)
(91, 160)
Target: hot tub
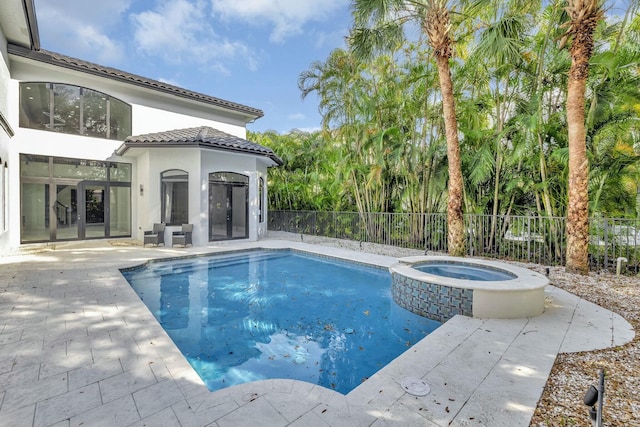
(440, 287)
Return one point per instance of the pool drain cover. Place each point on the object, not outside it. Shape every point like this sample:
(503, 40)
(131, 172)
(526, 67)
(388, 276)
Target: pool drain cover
(415, 386)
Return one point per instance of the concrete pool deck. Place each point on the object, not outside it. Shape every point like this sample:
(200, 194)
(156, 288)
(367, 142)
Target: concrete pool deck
(78, 347)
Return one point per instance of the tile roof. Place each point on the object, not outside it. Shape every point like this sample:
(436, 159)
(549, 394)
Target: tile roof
(123, 76)
(203, 136)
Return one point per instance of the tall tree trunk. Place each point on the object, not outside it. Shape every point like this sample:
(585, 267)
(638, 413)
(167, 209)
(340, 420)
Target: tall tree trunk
(437, 27)
(578, 203)
(455, 222)
(584, 16)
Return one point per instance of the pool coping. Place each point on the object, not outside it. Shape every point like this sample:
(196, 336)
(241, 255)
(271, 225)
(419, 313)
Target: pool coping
(525, 278)
(148, 381)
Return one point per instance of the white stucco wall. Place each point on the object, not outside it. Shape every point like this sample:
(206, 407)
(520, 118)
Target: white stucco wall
(199, 163)
(5, 140)
(151, 112)
(4, 74)
(149, 120)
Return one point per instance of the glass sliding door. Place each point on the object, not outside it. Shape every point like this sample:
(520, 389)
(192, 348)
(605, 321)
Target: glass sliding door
(239, 204)
(65, 208)
(71, 199)
(92, 216)
(35, 217)
(228, 206)
(119, 211)
(218, 211)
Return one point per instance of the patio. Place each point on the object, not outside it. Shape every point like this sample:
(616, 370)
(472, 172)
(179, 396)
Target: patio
(77, 347)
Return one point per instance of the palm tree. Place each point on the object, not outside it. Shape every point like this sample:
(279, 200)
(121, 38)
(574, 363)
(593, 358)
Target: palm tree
(379, 25)
(584, 16)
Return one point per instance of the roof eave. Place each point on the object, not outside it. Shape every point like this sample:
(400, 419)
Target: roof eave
(251, 114)
(120, 151)
(32, 23)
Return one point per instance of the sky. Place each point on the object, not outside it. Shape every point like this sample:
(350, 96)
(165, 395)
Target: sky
(245, 51)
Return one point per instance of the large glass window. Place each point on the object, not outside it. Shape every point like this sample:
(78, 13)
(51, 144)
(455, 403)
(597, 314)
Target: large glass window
(66, 109)
(73, 110)
(175, 197)
(120, 172)
(35, 108)
(94, 113)
(34, 165)
(119, 120)
(120, 211)
(69, 199)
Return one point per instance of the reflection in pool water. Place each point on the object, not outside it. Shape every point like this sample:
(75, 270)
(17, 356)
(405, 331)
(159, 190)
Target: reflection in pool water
(279, 314)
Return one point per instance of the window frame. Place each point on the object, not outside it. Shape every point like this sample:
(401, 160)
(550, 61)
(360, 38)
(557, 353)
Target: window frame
(50, 110)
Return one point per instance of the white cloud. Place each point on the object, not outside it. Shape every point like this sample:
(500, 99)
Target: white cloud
(180, 32)
(107, 50)
(288, 17)
(81, 27)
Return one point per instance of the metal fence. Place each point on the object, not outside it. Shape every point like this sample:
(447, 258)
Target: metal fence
(540, 240)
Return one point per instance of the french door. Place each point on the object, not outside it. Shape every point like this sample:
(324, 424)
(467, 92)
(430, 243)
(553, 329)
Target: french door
(93, 210)
(67, 210)
(228, 206)
(72, 199)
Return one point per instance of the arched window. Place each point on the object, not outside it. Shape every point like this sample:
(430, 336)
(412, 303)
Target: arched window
(74, 110)
(175, 197)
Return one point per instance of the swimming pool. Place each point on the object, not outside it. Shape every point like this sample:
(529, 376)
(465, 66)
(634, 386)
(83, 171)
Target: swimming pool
(248, 316)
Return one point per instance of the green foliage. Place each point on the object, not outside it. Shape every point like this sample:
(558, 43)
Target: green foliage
(382, 146)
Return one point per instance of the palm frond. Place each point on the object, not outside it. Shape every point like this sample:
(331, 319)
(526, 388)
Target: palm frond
(365, 42)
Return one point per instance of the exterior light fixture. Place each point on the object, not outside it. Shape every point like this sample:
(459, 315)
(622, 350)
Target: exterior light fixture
(593, 396)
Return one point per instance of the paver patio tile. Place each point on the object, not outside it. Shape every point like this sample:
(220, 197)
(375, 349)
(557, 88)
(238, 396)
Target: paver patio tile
(94, 372)
(91, 342)
(18, 417)
(312, 419)
(337, 412)
(10, 336)
(67, 405)
(190, 418)
(105, 325)
(126, 383)
(60, 334)
(59, 364)
(290, 408)
(157, 397)
(268, 415)
(164, 418)
(160, 371)
(405, 417)
(119, 412)
(27, 393)
(6, 364)
(19, 375)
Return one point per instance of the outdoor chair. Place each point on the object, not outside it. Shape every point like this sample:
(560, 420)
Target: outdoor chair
(156, 236)
(183, 237)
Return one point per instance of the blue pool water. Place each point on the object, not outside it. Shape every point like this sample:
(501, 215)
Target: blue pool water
(464, 271)
(279, 314)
